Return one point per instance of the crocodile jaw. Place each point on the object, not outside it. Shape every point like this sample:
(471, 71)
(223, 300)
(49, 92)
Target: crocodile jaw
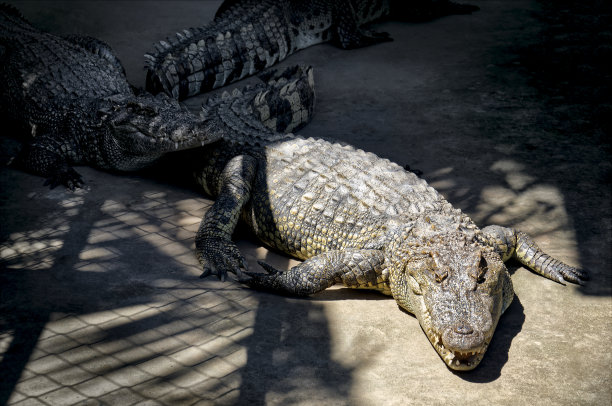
(455, 359)
(464, 359)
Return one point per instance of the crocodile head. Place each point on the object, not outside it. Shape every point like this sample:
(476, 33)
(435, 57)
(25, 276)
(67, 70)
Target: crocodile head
(141, 128)
(458, 292)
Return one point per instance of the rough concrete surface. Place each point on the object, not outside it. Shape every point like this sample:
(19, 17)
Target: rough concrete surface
(505, 113)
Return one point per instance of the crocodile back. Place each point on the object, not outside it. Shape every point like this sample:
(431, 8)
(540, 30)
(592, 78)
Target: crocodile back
(312, 195)
(40, 69)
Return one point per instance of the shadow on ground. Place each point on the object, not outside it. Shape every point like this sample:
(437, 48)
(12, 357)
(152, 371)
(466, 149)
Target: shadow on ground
(106, 325)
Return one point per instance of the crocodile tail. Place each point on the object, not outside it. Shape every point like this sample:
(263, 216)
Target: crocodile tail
(244, 40)
(286, 104)
(266, 112)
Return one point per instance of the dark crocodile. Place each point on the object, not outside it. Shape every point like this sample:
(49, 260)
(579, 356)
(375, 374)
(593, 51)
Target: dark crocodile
(362, 221)
(69, 101)
(248, 36)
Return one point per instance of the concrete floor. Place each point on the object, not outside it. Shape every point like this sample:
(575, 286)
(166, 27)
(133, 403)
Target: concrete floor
(504, 112)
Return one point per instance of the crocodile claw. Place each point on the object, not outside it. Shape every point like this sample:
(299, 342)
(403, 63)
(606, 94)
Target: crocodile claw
(219, 256)
(66, 176)
(209, 271)
(563, 273)
(574, 275)
(268, 268)
(258, 279)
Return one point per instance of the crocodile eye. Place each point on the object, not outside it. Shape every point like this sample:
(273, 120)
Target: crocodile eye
(142, 109)
(482, 270)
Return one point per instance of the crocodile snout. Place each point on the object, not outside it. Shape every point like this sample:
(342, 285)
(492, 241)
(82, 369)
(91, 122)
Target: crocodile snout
(463, 328)
(462, 338)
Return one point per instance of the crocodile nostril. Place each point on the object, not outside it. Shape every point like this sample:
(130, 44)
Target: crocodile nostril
(463, 328)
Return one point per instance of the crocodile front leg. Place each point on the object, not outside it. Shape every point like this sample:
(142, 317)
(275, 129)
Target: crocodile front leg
(41, 157)
(511, 243)
(354, 268)
(214, 247)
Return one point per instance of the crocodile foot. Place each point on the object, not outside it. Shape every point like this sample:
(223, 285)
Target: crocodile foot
(66, 176)
(219, 256)
(564, 273)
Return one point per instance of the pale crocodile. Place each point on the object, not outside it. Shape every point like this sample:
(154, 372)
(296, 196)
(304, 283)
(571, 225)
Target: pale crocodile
(362, 221)
(248, 36)
(68, 100)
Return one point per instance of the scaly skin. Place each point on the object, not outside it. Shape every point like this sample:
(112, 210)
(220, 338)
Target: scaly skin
(248, 36)
(69, 101)
(365, 222)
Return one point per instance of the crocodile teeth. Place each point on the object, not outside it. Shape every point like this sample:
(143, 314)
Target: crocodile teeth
(456, 359)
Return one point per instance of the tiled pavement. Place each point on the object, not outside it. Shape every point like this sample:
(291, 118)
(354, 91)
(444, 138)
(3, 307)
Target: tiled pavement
(153, 329)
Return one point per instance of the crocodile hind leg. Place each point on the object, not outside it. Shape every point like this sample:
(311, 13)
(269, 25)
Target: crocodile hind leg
(511, 243)
(215, 250)
(354, 268)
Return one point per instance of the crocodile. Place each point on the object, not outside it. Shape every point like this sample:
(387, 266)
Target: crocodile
(68, 100)
(358, 220)
(247, 36)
